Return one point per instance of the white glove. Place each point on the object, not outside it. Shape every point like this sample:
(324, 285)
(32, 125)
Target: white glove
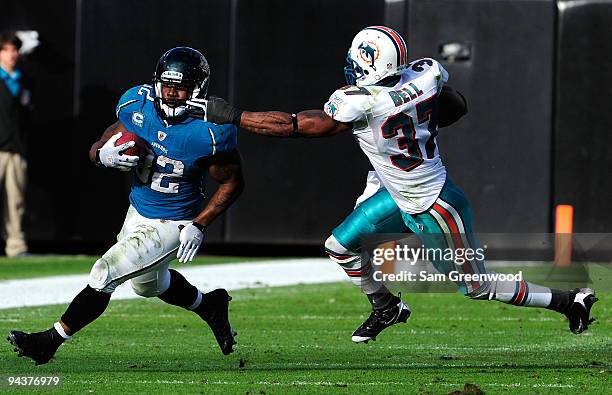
(110, 155)
(191, 238)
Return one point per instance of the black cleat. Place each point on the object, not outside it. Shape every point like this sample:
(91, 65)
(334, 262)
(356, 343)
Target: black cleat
(39, 346)
(379, 320)
(579, 310)
(215, 311)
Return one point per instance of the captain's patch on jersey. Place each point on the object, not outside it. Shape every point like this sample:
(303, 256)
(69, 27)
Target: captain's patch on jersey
(138, 119)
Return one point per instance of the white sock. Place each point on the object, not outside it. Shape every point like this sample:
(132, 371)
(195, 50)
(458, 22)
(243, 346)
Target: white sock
(60, 329)
(521, 293)
(197, 302)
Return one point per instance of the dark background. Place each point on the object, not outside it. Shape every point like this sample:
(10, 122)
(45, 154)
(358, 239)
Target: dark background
(537, 82)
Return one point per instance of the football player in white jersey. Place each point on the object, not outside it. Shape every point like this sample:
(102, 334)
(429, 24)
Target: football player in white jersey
(394, 108)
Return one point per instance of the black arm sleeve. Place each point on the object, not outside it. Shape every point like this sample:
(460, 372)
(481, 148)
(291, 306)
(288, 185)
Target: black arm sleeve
(452, 106)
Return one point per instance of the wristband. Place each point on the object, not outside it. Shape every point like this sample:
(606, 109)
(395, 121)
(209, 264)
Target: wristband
(236, 115)
(199, 226)
(295, 123)
(98, 162)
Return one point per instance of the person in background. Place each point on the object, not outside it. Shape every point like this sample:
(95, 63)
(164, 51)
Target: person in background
(14, 108)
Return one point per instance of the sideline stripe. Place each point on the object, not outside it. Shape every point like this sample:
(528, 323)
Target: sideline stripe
(232, 276)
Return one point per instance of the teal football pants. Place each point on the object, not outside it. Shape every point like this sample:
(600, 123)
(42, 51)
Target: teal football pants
(447, 224)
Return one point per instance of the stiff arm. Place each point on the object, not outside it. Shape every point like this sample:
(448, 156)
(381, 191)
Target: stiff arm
(310, 123)
(315, 123)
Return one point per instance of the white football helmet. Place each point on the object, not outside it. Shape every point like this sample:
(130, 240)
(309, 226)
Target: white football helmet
(376, 52)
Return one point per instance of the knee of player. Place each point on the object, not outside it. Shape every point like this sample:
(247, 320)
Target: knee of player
(145, 290)
(99, 277)
(336, 251)
(151, 286)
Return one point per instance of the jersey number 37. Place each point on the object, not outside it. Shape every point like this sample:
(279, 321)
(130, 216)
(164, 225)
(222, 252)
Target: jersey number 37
(427, 110)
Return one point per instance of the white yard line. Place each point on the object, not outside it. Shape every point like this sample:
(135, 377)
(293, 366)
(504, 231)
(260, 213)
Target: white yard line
(61, 289)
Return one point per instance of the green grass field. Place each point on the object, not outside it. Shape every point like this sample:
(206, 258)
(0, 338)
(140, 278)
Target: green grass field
(297, 339)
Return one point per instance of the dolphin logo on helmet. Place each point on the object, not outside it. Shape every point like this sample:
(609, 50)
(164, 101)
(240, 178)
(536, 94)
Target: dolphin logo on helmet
(377, 52)
(369, 52)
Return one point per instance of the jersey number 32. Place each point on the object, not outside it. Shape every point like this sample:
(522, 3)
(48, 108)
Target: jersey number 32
(167, 181)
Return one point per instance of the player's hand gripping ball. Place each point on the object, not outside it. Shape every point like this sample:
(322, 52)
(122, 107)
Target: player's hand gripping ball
(139, 147)
(114, 153)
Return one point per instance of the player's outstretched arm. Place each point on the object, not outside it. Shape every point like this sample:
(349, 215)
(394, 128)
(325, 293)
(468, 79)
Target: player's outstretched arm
(226, 170)
(310, 123)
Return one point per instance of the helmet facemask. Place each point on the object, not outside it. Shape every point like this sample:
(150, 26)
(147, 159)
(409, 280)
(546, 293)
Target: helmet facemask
(172, 107)
(352, 70)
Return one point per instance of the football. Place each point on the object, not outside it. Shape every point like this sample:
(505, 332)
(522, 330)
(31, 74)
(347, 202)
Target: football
(139, 149)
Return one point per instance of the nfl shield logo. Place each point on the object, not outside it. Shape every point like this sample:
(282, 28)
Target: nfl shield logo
(161, 135)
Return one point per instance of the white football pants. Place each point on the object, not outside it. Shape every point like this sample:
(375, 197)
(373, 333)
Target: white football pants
(142, 253)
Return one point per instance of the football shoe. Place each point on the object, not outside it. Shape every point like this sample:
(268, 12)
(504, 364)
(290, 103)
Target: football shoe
(215, 311)
(39, 346)
(381, 319)
(579, 310)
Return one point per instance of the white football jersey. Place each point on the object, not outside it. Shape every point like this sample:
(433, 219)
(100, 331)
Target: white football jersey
(396, 127)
